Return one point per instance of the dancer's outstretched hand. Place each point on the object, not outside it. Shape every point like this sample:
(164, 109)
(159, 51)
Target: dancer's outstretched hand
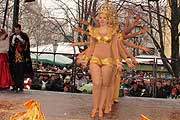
(146, 50)
(138, 17)
(130, 64)
(137, 20)
(120, 66)
(84, 64)
(81, 61)
(134, 61)
(84, 22)
(74, 44)
(78, 29)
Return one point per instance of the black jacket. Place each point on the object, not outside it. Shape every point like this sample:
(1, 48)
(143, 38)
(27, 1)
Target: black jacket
(24, 52)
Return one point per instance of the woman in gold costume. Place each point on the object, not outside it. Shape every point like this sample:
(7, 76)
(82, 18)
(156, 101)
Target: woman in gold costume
(103, 56)
(102, 53)
(105, 53)
(122, 36)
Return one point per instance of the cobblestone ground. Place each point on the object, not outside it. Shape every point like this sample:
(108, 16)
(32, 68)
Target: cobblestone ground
(67, 106)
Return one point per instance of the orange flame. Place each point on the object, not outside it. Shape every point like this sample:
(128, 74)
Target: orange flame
(32, 113)
(144, 117)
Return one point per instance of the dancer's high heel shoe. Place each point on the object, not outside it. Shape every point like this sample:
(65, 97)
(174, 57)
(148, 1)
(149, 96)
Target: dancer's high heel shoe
(107, 109)
(100, 114)
(93, 113)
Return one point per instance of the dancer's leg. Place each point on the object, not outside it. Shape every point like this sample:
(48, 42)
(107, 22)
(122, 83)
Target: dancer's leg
(106, 80)
(116, 87)
(97, 83)
(110, 93)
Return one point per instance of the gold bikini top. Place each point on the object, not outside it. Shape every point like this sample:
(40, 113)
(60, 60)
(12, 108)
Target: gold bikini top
(94, 32)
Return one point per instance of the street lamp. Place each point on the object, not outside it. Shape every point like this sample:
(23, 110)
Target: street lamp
(55, 45)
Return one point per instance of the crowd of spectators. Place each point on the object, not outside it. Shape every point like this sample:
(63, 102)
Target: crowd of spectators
(136, 84)
(143, 85)
(54, 78)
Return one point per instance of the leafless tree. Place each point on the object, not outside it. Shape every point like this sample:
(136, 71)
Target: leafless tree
(41, 26)
(157, 11)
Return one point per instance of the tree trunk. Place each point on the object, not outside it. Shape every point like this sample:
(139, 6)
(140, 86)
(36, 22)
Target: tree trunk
(174, 38)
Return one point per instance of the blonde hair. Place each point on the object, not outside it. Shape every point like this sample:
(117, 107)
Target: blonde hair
(110, 11)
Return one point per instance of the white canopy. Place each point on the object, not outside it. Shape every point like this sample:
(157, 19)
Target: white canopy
(148, 59)
(62, 47)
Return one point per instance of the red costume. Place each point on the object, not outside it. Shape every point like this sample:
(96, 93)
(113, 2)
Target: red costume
(5, 75)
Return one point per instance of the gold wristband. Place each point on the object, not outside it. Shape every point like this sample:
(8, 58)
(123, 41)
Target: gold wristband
(117, 60)
(126, 59)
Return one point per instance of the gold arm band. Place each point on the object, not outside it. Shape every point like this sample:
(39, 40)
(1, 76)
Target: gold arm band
(85, 57)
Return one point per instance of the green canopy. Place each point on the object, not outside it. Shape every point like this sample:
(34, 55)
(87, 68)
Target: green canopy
(49, 58)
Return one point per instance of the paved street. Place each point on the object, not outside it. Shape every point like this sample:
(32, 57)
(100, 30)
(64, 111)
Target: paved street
(67, 106)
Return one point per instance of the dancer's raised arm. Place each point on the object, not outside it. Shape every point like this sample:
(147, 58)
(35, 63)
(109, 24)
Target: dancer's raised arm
(142, 31)
(129, 44)
(123, 52)
(129, 28)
